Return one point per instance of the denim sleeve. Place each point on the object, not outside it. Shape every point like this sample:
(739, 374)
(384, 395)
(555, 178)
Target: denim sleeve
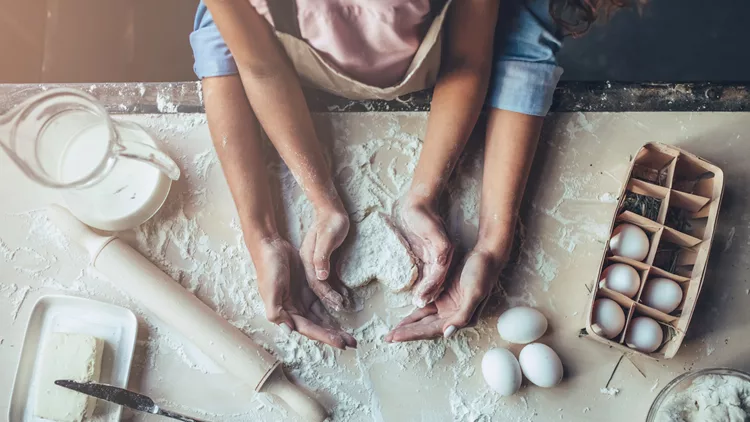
(212, 56)
(525, 71)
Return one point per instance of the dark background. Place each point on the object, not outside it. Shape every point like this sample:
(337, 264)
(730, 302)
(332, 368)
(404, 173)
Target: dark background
(147, 40)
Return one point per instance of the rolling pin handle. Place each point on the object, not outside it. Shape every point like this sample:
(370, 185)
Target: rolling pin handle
(300, 400)
(76, 231)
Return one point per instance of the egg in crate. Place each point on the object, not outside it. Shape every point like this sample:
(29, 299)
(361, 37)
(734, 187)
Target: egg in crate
(662, 294)
(608, 318)
(621, 278)
(644, 334)
(629, 241)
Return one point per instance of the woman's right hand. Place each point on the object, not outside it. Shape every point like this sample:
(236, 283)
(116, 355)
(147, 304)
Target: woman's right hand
(425, 231)
(289, 301)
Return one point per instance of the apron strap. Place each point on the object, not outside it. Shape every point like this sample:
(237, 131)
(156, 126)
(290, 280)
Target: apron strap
(284, 15)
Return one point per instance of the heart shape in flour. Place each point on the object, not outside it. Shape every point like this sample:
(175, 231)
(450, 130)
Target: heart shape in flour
(375, 250)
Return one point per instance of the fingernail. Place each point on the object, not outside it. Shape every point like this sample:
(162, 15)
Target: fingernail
(285, 328)
(449, 331)
(322, 274)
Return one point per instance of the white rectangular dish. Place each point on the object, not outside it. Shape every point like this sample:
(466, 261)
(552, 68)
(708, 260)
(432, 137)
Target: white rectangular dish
(115, 325)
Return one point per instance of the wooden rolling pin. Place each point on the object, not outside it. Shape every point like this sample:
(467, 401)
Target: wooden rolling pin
(172, 304)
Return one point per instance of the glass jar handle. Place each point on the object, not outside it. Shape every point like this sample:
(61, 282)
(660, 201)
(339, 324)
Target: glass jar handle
(129, 148)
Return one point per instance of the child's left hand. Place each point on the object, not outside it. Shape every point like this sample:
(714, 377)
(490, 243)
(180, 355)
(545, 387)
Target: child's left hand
(324, 237)
(458, 306)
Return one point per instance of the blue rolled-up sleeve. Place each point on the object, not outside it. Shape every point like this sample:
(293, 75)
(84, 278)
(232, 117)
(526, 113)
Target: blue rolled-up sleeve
(212, 56)
(525, 71)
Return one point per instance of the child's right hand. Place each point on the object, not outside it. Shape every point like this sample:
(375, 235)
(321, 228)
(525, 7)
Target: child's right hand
(324, 237)
(288, 300)
(423, 228)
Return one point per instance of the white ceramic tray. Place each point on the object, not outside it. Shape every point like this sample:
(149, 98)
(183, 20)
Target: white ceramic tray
(115, 325)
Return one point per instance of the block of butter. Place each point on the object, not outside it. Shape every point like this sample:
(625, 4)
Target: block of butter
(70, 356)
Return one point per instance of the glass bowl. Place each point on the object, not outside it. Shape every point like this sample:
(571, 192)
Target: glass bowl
(683, 382)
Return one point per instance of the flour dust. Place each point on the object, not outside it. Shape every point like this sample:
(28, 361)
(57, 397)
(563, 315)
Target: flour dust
(197, 240)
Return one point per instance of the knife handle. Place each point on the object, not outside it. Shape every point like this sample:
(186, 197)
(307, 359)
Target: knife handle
(177, 416)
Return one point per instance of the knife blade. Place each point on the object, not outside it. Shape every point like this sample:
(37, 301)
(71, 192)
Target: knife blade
(123, 397)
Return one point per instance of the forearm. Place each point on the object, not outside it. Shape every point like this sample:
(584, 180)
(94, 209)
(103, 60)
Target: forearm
(239, 146)
(511, 143)
(287, 122)
(275, 95)
(459, 94)
(456, 104)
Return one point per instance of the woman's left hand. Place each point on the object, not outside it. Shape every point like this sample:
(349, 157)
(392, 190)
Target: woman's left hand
(458, 306)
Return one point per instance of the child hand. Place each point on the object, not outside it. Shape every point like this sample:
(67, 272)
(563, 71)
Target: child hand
(288, 300)
(424, 230)
(326, 235)
(457, 307)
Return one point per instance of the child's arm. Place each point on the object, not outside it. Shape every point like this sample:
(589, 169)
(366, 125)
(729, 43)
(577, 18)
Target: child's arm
(238, 143)
(456, 103)
(275, 96)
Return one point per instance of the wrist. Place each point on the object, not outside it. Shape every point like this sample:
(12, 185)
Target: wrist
(325, 200)
(422, 195)
(496, 241)
(259, 231)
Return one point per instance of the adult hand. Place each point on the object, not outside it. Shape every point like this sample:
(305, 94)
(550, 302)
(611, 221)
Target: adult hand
(424, 230)
(288, 300)
(458, 306)
(324, 237)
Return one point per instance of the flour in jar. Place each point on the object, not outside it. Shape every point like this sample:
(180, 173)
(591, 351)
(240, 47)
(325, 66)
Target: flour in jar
(711, 398)
(375, 250)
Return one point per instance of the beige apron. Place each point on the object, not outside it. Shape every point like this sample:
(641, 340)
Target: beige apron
(316, 72)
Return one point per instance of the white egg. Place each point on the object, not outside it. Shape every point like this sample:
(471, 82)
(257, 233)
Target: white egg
(644, 334)
(521, 325)
(608, 318)
(501, 371)
(541, 365)
(621, 278)
(662, 294)
(629, 241)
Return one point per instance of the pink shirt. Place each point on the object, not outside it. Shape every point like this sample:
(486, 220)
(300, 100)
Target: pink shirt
(372, 41)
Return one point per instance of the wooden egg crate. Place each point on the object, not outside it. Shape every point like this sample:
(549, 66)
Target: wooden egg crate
(679, 195)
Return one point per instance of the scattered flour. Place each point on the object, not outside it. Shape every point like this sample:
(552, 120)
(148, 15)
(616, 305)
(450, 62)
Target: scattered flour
(730, 238)
(610, 391)
(15, 295)
(204, 161)
(608, 198)
(164, 104)
(710, 398)
(375, 250)
(182, 240)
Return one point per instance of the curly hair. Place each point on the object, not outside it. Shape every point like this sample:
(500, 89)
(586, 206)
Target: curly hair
(575, 17)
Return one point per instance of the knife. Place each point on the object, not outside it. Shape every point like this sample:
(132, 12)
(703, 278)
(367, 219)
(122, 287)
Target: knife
(123, 397)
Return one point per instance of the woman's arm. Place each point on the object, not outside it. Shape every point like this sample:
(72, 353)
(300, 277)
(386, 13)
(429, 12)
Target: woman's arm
(457, 100)
(511, 142)
(275, 96)
(524, 79)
